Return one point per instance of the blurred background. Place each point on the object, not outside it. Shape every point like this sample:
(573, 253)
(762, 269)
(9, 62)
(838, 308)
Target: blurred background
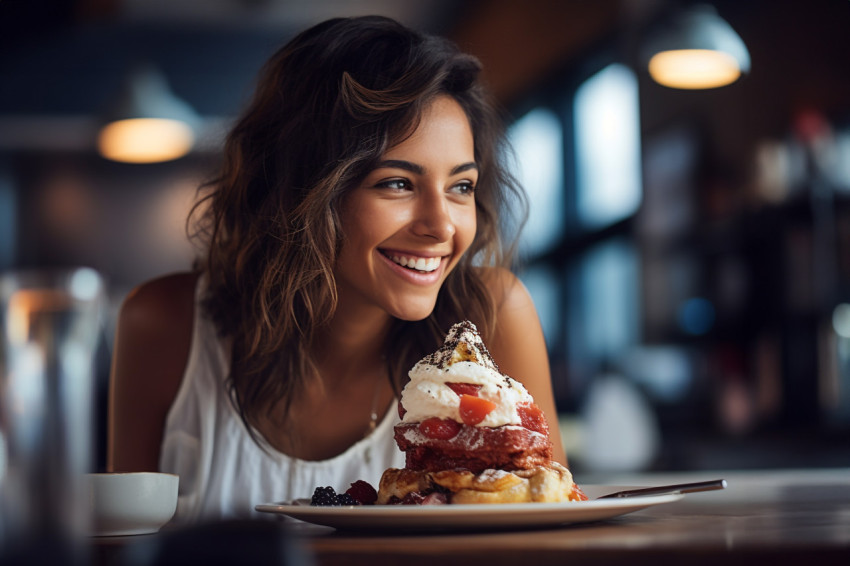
(688, 249)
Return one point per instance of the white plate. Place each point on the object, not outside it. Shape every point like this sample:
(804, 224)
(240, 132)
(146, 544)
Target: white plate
(507, 515)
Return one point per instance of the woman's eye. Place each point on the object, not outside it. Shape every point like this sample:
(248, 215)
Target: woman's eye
(464, 188)
(395, 184)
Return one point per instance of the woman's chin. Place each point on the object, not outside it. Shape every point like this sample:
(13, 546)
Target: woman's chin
(413, 312)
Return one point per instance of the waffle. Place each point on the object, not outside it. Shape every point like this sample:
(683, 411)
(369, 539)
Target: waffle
(547, 483)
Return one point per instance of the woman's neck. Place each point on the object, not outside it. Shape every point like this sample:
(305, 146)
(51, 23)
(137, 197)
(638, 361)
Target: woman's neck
(351, 344)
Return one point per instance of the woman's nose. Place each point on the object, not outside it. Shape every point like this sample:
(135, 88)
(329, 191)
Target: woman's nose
(433, 217)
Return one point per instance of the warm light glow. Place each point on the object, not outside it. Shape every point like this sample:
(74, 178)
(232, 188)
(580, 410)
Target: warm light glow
(694, 68)
(24, 304)
(145, 140)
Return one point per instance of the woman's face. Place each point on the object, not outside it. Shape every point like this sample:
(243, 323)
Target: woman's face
(406, 226)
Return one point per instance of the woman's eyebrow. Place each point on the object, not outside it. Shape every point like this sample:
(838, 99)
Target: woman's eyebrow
(465, 167)
(401, 164)
(418, 169)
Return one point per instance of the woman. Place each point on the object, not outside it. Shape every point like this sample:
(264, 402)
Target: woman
(356, 217)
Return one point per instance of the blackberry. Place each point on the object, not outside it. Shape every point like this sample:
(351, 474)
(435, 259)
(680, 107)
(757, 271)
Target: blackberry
(346, 499)
(324, 497)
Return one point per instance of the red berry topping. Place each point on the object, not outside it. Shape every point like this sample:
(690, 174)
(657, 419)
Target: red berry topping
(577, 494)
(440, 429)
(363, 492)
(532, 418)
(464, 388)
(473, 410)
(435, 498)
(413, 498)
(401, 410)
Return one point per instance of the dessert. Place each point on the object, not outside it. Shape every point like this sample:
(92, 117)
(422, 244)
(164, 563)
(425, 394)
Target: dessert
(471, 434)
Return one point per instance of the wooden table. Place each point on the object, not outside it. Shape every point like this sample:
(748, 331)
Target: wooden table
(772, 517)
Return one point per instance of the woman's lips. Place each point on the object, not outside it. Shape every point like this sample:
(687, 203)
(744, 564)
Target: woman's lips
(418, 263)
(432, 271)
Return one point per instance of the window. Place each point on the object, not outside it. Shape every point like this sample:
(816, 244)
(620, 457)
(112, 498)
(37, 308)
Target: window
(580, 165)
(607, 134)
(603, 310)
(537, 140)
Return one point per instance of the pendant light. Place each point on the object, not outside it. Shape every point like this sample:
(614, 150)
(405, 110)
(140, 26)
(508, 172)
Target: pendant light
(697, 49)
(148, 123)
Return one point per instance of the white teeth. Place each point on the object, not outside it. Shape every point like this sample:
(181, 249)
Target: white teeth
(419, 264)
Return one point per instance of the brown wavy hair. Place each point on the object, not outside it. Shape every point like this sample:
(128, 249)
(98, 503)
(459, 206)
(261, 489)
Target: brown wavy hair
(327, 106)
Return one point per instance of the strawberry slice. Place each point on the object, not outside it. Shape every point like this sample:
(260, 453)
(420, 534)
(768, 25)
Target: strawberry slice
(473, 409)
(440, 429)
(464, 388)
(532, 418)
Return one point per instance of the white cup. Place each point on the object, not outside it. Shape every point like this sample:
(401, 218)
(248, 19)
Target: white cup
(131, 503)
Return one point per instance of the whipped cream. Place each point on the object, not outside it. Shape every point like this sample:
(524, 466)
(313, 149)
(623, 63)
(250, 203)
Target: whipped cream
(463, 358)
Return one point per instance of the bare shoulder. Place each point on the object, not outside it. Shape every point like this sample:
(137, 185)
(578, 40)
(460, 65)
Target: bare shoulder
(154, 331)
(161, 301)
(152, 343)
(155, 326)
(517, 327)
(509, 293)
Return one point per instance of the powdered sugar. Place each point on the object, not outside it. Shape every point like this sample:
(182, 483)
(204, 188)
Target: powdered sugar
(492, 475)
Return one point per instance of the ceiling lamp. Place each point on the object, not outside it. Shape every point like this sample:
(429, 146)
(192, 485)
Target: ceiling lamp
(696, 50)
(147, 124)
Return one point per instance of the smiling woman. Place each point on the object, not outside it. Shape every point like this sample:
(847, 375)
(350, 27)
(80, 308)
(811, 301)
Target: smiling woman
(410, 221)
(356, 216)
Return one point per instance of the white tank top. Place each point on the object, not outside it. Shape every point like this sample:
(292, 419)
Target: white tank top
(223, 472)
